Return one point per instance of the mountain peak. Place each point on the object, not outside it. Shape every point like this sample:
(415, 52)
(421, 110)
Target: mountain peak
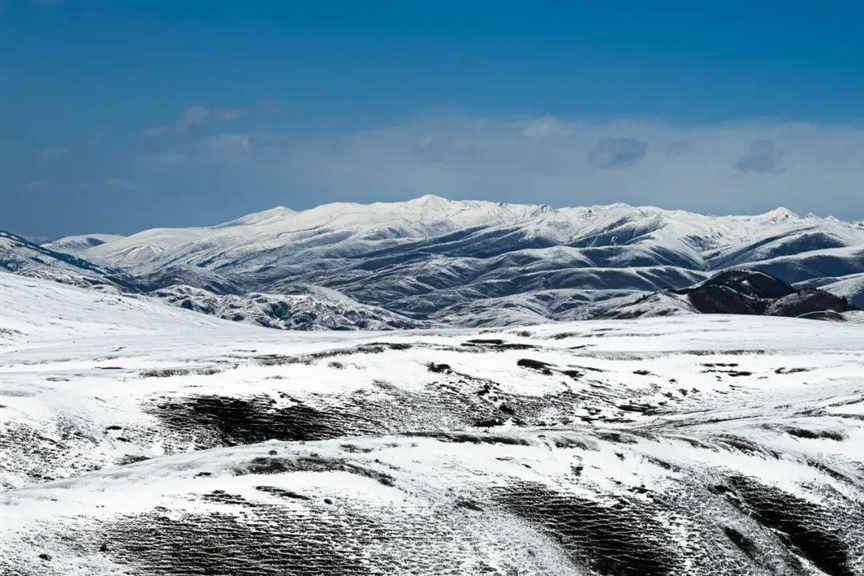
(274, 213)
(781, 213)
(429, 199)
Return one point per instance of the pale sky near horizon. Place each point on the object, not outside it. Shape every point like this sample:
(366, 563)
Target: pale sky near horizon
(120, 116)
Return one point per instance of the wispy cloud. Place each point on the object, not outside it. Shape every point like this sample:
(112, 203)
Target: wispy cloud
(197, 116)
(189, 118)
(546, 160)
(617, 152)
(544, 127)
(762, 157)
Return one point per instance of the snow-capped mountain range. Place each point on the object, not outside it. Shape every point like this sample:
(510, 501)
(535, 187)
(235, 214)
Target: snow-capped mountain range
(469, 263)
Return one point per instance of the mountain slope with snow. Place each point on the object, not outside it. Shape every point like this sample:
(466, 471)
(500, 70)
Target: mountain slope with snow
(432, 259)
(316, 308)
(25, 258)
(75, 245)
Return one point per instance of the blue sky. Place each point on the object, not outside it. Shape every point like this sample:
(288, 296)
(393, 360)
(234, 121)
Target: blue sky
(118, 116)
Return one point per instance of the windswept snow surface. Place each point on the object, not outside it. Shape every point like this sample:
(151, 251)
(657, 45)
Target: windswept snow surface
(470, 263)
(141, 439)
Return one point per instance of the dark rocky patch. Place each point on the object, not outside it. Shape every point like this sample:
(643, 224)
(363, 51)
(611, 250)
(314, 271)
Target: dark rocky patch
(830, 471)
(353, 449)
(622, 539)
(132, 459)
(812, 302)
(757, 293)
(730, 373)
(569, 442)
(810, 434)
(399, 346)
(456, 401)
(281, 493)
(222, 497)
(616, 437)
(587, 368)
(472, 505)
(791, 370)
(438, 368)
(489, 423)
(229, 421)
(369, 348)
(464, 437)
(542, 367)
(247, 545)
(497, 344)
(662, 463)
(744, 543)
(276, 465)
(484, 342)
(805, 526)
(751, 284)
(164, 373)
(744, 445)
(565, 335)
(640, 408)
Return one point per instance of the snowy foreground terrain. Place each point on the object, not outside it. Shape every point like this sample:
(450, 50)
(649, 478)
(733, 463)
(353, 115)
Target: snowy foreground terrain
(140, 438)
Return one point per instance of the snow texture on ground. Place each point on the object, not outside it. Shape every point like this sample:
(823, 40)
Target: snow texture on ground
(141, 439)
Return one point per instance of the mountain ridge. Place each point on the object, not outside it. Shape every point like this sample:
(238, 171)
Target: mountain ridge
(449, 262)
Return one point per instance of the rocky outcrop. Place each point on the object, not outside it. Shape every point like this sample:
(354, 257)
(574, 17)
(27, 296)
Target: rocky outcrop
(751, 292)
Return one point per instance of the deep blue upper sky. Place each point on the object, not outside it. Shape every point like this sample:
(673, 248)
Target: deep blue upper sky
(118, 116)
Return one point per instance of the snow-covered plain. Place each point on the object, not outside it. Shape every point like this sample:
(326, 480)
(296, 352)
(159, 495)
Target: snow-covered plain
(137, 438)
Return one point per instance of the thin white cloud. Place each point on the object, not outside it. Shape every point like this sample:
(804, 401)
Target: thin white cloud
(762, 157)
(695, 167)
(544, 127)
(617, 152)
(196, 116)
